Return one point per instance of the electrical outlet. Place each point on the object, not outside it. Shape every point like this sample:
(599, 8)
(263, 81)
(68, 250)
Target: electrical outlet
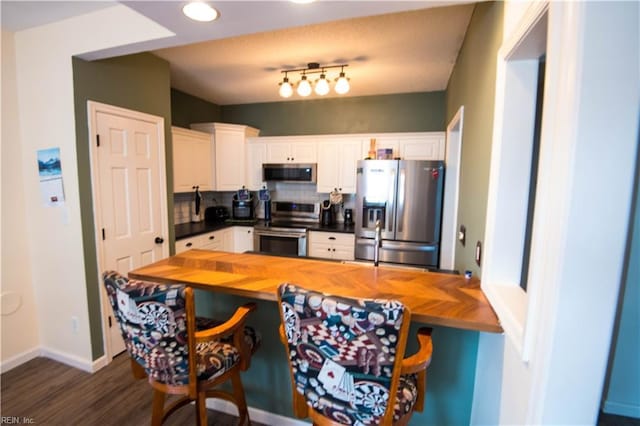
(478, 252)
(74, 324)
(462, 235)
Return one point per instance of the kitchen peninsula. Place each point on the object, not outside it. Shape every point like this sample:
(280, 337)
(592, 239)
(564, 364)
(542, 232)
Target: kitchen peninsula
(433, 298)
(455, 307)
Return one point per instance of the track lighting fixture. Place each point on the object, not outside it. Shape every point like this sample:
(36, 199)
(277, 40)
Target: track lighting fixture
(321, 85)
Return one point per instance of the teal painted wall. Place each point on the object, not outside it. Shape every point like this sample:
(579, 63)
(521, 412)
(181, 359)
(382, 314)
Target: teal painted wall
(407, 112)
(137, 82)
(267, 384)
(472, 84)
(187, 109)
(623, 392)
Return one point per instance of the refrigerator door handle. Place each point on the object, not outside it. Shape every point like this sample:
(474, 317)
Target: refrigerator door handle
(392, 195)
(391, 245)
(401, 195)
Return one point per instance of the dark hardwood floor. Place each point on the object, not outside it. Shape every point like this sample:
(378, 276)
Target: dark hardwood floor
(45, 392)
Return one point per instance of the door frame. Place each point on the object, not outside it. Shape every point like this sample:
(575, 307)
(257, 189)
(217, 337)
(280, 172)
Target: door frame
(93, 108)
(453, 155)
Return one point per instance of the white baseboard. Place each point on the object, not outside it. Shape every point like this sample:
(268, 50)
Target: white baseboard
(68, 359)
(255, 414)
(19, 359)
(621, 409)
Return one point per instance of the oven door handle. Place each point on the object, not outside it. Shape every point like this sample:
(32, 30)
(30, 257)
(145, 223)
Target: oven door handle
(280, 234)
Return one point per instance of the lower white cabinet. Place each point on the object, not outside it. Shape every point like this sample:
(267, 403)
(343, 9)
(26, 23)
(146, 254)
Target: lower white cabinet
(237, 239)
(185, 244)
(331, 245)
(242, 239)
(221, 240)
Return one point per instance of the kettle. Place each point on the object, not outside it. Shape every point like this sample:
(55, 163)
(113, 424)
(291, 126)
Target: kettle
(327, 216)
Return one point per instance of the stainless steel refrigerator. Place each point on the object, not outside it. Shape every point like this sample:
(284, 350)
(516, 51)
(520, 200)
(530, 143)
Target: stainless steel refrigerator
(404, 198)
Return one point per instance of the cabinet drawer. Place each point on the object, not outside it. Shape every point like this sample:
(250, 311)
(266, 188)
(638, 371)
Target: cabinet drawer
(188, 243)
(337, 238)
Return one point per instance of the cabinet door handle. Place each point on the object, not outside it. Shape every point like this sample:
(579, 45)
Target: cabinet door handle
(328, 249)
(188, 244)
(212, 237)
(332, 238)
(159, 240)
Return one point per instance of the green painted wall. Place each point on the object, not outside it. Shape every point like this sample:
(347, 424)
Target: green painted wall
(472, 84)
(187, 109)
(137, 82)
(407, 112)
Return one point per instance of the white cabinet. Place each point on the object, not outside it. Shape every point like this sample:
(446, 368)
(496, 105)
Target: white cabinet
(242, 239)
(221, 240)
(193, 160)
(291, 150)
(410, 146)
(230, 153)
(337, 161)
(214, 241)
(256, 156)
(426, 147)
(331, 245)
(185, 244)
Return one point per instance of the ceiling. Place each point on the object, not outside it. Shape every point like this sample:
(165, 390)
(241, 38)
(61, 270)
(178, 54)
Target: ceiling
(390, 46)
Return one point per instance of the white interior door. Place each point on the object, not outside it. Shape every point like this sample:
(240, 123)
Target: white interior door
(129, 197)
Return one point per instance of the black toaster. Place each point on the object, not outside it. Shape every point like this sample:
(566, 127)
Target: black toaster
(216, 214)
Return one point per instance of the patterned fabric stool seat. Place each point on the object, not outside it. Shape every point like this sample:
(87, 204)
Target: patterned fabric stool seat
(346, 358)
(179, 353)
(251, 337)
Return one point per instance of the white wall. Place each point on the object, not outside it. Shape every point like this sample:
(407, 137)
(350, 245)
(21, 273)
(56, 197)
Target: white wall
(19, 311)
(578, 272)
(53, 256)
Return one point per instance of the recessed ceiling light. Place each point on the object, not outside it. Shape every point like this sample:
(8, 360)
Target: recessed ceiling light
(302, 1)
(200, 11)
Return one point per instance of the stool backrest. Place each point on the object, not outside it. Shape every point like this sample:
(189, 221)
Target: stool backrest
(344, 353)
(152, 319)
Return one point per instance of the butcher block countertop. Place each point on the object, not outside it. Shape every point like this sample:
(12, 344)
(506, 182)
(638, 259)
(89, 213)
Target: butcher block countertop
(433, 298)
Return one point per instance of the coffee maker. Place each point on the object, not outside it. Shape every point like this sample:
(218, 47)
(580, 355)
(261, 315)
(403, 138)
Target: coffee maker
(348, 217)
(242, 205)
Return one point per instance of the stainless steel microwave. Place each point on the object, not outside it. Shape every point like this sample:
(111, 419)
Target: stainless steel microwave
(286, 172)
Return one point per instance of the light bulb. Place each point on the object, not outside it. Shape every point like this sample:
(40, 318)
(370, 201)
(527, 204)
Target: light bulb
(342, 84)
(285, 88)
(304, 87)
(200, 12)
(322, 86)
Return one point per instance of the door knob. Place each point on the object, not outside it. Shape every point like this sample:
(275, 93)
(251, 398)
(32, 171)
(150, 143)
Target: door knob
(159, 240)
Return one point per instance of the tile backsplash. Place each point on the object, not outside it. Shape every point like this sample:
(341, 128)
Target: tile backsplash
(184, 204)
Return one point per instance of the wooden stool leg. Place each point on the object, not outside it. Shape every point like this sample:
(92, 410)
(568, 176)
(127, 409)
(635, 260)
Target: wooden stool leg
(238, 394)
(158, 408)
(201, 409)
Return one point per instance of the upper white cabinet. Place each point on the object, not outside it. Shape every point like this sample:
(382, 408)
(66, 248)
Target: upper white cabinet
(230, 153)
(410, 146)
(337, 161)
(256, 156)
(291, 150)
(193, 160)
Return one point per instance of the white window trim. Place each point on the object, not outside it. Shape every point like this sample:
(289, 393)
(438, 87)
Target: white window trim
(503, 246)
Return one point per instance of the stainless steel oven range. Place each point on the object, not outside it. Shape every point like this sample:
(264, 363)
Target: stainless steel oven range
(286, 233)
